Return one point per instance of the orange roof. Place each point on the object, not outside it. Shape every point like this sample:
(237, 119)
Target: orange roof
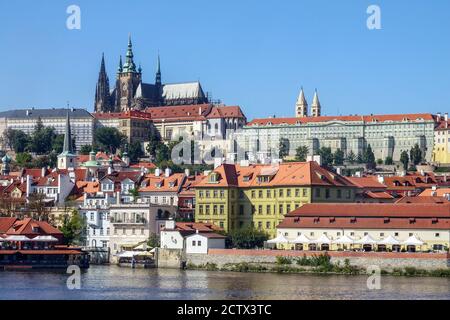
(378, 195)
(87, 186)
(422, 199)
(439, 192)
(365, 119)
(151, 183)
(25, 227)
(6, 223)
(194, 226)
(369, 216)
(285, 174)
(367, 182)
(134, 114)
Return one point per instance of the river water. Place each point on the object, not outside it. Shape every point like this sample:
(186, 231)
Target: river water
(112, 282)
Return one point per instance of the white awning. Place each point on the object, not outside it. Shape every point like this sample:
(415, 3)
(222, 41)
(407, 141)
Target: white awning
(390, 240)
(367, 239)
(45, 239)
(127, 254)
(322, 240)
(301, 239)
(279, 239)
(344, 240)
(2, 239)
(413, 241)
(17, 238)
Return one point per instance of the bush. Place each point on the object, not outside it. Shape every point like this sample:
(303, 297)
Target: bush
(283, 260)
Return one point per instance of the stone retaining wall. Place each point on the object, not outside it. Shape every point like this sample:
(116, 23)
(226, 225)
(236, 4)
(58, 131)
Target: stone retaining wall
(385, 260)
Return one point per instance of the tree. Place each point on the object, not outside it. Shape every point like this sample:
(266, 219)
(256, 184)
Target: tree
(162, 153)
(388, 161)
(153, 241)
(284, 146)
(369, 158)
(135, 151)
(360, 158)
(248, 238)
(42, 139)
(301, 153)
(85, 149)
(339, 157)
(416, 155)
(16, 140)
(351, 157)
(153, 142)
(404, 159)
(73, 227)
(134, 193)
(58, 143)
(23, 159)
(109, 139)
(326, 156)
(37, 207)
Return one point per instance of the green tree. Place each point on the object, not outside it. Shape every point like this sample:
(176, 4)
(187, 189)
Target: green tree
(42, 139)
(404, 159)
(154, 141)
(134, 193)
(284, 146)
(247, 238)
(86, 149)
(73, 226)
(415, 155)
(58, 143)
(135, 151)
(351, 157)
(360, 158)
(16, 140)
(109, 139)
(153, 241)
(369, 158)
(162, 153)
(326, 156)
(23, 159)
(339, 157)
(301, 153)
(389, 161)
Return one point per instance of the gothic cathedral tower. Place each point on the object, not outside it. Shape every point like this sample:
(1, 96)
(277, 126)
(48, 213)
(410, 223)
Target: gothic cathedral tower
(102, 95)
(127, 81)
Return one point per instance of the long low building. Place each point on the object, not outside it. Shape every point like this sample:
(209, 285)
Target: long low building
(367, 226)
(388, 135)
(81, 122)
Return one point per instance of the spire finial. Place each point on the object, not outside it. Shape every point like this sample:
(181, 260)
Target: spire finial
(158, 71)
(120, 69)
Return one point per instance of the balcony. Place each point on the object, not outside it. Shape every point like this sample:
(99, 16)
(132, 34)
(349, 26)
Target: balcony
(137, 221)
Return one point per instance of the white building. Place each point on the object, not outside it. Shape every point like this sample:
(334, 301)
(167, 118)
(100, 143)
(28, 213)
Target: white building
(202, 242)
(81, 122)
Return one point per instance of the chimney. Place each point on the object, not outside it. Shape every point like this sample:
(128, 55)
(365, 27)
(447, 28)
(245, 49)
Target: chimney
(157, 172)
(43, 170)
(199, 111)
(381, 179)
(446, 117)
(187, 172)
(118, 197)
(110, 170)
(168, 172)
(438, 116)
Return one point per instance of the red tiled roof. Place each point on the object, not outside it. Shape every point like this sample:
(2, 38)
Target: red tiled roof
(6, 224)
(367, 182)
(422, 199)
(286, 174)
(439, 192)
(150, 182)
(365, 119)
(134, 114)
(369, 216)
(25, 227)
(378, 195)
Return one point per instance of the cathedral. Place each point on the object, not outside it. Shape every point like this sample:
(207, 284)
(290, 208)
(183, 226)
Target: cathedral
(130, 93)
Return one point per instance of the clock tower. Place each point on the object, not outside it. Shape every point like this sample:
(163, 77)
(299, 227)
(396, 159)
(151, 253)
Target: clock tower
(128, 80)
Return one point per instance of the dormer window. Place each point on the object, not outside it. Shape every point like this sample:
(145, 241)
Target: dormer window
(158, 184)
(172, 184)
(214, 177)
(387, 220)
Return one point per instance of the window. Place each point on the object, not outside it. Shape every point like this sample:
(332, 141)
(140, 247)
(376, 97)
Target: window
(268, 225)
(280, 193)
(305, 192)
(269, 194)
(437, 235)
(297, 193)
(260, 194)
(222, 194)
(268, 209)
(92, 216)
(199, 243)
(288, 192)
(200, 194)
(222, 209)
(260, 209)
(200, 210)
(317, 192)
(288, 208)
(381, 234)
(241, 210)
(207, 209)
(193, 243)
(133, 231)
(327, 193)
(253, 194)
(221, 224)
(339, 194)
(214, 210)
(280, 211)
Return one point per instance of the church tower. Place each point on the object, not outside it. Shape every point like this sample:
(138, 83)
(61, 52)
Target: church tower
(301, 107)
(316, 107)
(102, 96)
(128, 80)
(67, 158)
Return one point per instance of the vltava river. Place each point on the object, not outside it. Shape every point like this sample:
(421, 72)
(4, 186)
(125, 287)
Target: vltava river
(111, 282)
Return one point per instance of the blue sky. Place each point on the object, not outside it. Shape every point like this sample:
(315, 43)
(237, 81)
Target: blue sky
(256, 54)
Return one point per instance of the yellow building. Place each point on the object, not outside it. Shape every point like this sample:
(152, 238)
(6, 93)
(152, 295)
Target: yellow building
(235, 196)
(441, 149)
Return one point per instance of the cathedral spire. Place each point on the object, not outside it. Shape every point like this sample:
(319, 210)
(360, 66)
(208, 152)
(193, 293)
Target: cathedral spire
(120, 69)
(68, 137)
(102, 95)
(301, 107)
(129, 65)
(158, 72)
(316, 107)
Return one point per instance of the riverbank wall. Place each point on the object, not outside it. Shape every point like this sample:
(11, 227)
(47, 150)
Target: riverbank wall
(384, 260)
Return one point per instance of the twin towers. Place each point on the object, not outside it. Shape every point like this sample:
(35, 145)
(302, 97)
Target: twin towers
(301, 107)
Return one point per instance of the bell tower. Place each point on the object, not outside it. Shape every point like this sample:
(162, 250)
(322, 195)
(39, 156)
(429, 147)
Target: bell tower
(128, 80)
